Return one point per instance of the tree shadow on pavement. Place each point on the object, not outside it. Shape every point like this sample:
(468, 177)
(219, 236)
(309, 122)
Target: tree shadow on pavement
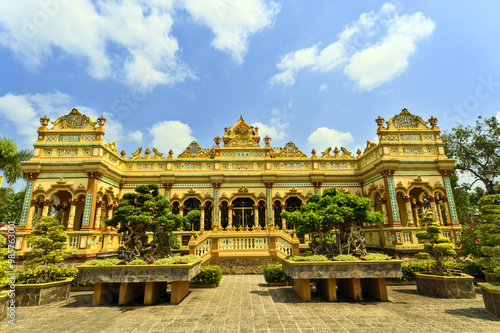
(478, 313)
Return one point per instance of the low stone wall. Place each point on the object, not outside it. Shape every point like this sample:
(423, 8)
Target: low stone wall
(236, 266)
(491, 297)
(33, 295)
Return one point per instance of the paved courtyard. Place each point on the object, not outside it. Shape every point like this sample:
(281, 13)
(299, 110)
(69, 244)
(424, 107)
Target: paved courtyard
(245, 303)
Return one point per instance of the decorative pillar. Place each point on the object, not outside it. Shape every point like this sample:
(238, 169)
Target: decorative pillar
(409, 212)
(230, 216)
(383, 205)
(451, 201)
(90, 200)
(30, 214)
(390, 196)
(421, 207)
(447, 210)
(269, 202)
(168, 188)
(97, 222)
(64, 214)
(216, 219)
(432, 200)
(256, 215)
(39, 211)
(46, 206)
(28, 206)
(72, 211)
(414, 210)
(57, 211)
(438, 211)
(109, 213)
(202, 217)
(317, 187)
(283, 221)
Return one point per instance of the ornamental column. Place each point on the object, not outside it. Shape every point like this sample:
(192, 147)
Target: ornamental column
(168, 188)
(216, 218)
(414, 210)
(390, 196)
(256, 215)
(269, 202)
(90, 201)
(64, 214)
(451, 201)
(71, 219)
(109, 208)
(39, 212)
(447, 210)
(46, 206)
(30, 214)
(432, 200)
(409, 212)
(317, 187)
(202, 217)
(283, 221)
(98, 215)
(383, 205)
(230, 216)
(57, 211)
(438, 209)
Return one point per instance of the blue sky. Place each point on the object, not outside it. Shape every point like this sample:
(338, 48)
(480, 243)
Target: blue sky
(317, 73)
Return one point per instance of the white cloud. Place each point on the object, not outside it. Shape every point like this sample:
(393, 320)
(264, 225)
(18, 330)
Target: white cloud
(323, 87)
(372, 50)
(171, 134)
(498, 116)
(324, 137)
(24, 112)
(233, 21)
(97, 34)
(276, 127)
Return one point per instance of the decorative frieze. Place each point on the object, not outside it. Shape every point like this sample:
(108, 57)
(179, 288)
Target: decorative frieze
(69, 138)
(259, 154)
(87, 152)
(241, 166)
(292, 165)
(227, 154)
(338, 165)
(410, 137)
(47, 152)
(394, 151)
(429, 137)
(242, 154)
(412, 151)
(392, 137)
(89, 138)
(145, 166)
(67, 152)
(88, 206)
(50, 138)
(26, 203)
(192, 166)
(430, 151)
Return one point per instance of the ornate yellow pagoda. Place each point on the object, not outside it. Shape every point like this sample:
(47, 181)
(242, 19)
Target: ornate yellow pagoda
(240, 185)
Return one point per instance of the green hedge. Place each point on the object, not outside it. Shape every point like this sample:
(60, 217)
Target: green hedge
(274, 273)
(208, 275)
(410, 267)
(31, 274)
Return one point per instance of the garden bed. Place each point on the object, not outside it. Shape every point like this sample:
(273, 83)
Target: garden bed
(127, 282)
(42, 293)
(352, 278)
(460, 285)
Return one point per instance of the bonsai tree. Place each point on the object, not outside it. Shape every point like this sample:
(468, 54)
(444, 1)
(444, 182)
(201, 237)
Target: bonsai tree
(4, 264)
(146, 211)
(322, 214)
(437, 247)
(488, 235)
(49, 241)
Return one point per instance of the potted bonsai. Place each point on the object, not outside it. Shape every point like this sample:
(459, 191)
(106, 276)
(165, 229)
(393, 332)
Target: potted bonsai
(143, 266)
(488, 242)
(342, 263)
(440, 282)
(40, 283)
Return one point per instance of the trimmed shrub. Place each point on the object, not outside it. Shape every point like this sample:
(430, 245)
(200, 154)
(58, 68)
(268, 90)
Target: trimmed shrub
(346, 257)
(32, 275)
(137, 262)
(410, 267)
(377, 256)
(274, 273)
(103, 262)
(306, 257)
(176, 260)
(208, 275)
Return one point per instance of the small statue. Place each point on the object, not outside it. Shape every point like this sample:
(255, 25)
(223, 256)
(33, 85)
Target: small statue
(217, 140)
(101, 121)
(44, 121)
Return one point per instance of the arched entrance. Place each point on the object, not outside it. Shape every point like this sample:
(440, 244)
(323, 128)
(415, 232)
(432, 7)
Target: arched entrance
(189, 205)
(292, 204)
(243, 213)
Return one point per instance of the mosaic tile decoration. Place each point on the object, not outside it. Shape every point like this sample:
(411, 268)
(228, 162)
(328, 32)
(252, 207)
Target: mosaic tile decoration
(216, 207)
(269, 194)
(26, 203)
(394, 203)
(451, 200)
(88, 206)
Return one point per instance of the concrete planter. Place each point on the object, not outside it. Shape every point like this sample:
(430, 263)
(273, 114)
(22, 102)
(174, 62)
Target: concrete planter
(4, 303)
(491, 297)
(352, 278)
(455, 286)
(490, 277)
(42, 293)
(127, 282)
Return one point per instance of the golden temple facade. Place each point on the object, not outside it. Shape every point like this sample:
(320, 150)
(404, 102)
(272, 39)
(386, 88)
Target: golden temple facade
(240, 185)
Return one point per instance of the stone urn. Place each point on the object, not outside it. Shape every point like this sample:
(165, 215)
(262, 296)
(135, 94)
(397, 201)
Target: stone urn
(455, 286)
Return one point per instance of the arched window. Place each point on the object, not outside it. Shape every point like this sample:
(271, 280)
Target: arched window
(277, 213)
(189, 205)
(292, 204)
(224, 214)
(262, 214)
(243, 213)
(175, 207)
(208, 215)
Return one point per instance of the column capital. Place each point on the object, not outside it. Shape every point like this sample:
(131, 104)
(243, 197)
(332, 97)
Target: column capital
(99, 203)
(47, 202)
(216, 185)
(32, 176)
(94, 175)
(73, 202)
(445, 173)
(269, 185)
(317, 184)
(407, 198)
(387, 173)
(383, 201)
(168, 186)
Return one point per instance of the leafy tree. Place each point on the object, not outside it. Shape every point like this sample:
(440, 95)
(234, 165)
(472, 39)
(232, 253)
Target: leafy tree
(439, 247)
(476, 194)
(335, 210)
(475, 148)
(488, 239)
(146, 211)
(11, 158)
(49, 241)
(11, 204)
(462, 199)
(4, 263)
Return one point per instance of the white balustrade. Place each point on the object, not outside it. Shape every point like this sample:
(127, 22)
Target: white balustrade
(204, 247)
(243, 243)
(283, 246)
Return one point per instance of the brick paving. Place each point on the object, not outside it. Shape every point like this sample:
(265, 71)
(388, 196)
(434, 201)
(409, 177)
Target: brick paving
(245, 303)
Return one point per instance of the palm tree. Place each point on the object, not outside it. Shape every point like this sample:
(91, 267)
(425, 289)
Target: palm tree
(11, 158)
